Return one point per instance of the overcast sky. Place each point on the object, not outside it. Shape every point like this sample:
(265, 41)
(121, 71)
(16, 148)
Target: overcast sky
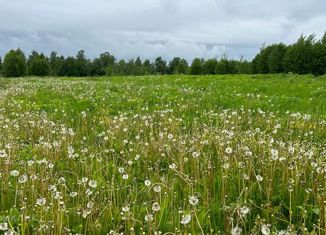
(151, 28)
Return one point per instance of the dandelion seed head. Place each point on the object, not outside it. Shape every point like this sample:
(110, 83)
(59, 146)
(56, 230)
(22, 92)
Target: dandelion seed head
(259, 178)
(156, 206)
(193, 200)
(92, 183)
(147, 183)
(14, 173)
(41, 201)
(149, 218)
(228, 150)
(236, 231)
(185, 219)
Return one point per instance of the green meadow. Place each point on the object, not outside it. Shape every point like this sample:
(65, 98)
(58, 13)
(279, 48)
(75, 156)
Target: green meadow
(222, 154)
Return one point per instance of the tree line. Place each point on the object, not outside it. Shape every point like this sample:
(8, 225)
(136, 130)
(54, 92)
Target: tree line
(306, 56)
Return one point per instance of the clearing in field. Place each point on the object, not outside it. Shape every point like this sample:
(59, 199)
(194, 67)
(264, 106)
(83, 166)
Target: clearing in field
(148, 155)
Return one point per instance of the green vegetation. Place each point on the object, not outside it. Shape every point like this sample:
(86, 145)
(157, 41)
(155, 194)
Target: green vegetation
(306, 56)
(38, 65)
(14, 64)
(181, 154)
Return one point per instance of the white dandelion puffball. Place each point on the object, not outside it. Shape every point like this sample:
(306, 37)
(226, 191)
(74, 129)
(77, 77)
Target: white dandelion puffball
(228, 150)
(125, 176)
(90, 205)
(236, 231)
(41, 201)
(157, 188)
(125, 208)
(265, 230)
(14, 173)
(149, 218)
(259, 178)
(92, 183)
(244, 211)
(156, 206)
(147, 183)
(193, 200)
(185, 219)
(73, 194)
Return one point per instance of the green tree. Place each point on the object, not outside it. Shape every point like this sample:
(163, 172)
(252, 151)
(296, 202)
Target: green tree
(148, 67)
(138, 62)
(38, 65)
(14, 64)
(56, 62)
(69, 67)
(299, 56)
(160, 66)
(138, 67)
(107, 59)
(173, 64)
(178, 66)
(81, 64)
(275, 58)
(244, 66)
(96, 68)
(0, 65)
(130, 68)
(182, 67)
(100, 66)
(260, 62)
(196, 67)
(319, 57)
(221, 67)
(232, 67)
(209, 66)
(119, 68)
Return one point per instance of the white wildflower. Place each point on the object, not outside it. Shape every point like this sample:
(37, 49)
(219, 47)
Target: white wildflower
(259, 178)
(149, 218)
(265, 229)
(14, 173)
(157, 188)
(193, 200)
(236, 231)
(186, 219)
(92, 183)
(228, 150)
(41, 201)
(147, 183)
(156, 206)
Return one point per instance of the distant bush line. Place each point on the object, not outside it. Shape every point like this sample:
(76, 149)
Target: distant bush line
(306, 56)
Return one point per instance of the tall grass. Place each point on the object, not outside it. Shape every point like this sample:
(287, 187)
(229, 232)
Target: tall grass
(163, 155)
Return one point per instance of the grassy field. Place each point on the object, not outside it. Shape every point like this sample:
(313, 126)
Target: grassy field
(237, 154)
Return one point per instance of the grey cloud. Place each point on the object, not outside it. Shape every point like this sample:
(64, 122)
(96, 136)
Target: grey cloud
(150, 28)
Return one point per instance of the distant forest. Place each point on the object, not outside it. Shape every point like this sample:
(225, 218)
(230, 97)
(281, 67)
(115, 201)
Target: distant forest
(306, 56)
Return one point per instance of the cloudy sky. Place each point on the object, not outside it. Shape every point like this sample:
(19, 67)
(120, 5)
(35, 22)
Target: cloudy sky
(149, 28)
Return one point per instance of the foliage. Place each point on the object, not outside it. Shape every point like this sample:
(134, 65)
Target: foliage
(38, 65)
(14, 64)
(0, 65)
(160, 66)
(275, 58)
(260, 62)
(209, 66)
(196, 67)
(178, 66)
(299, 56)
(56, 62)
(319, 57)
(306, 56)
